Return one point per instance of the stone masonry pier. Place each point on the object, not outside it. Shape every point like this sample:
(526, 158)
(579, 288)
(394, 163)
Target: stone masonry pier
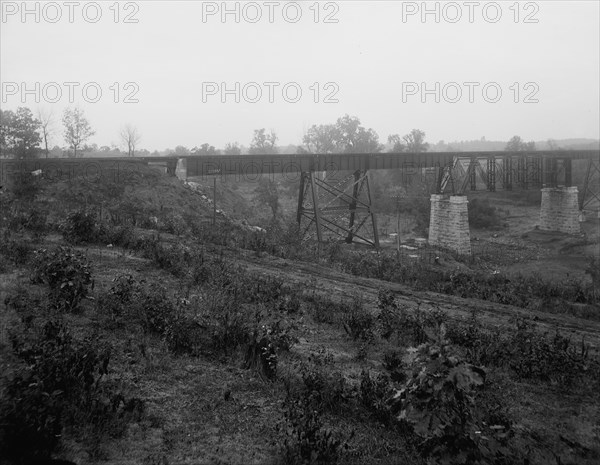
(449, 223)
(560, 210)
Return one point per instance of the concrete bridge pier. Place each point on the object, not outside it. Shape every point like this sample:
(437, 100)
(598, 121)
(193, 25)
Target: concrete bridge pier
(449, 223)
(560, 210)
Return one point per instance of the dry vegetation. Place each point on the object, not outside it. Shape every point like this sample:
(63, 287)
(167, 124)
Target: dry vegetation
(183, 343)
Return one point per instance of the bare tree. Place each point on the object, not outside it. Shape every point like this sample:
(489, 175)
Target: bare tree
(130, 137)
(77, 128)
(46, 119)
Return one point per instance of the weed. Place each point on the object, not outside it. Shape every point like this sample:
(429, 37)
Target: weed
(358, 322)
(374, 395)
(307, 441)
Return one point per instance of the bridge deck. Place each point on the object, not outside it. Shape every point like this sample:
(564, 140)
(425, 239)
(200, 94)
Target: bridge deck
(261, 164)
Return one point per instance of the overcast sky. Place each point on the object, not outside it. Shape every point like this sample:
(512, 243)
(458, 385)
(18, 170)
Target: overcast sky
(370, 59)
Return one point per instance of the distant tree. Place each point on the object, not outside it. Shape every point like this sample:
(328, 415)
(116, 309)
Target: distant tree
(46, 119)
(354, 138)
(5, 125)
(232, 149)
(56, 152)
(263, 143)
(77, 128)
(19, 133)
(322, 138)
(415, 141)
(516, 144)
(396, 141)
(552, 145)
(181, 150)
(266, 193)
(130, 137)
(205, 149)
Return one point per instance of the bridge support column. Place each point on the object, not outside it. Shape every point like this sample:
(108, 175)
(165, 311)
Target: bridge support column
(449, 223)
(560, 210)
(181, 169)
(337, 207)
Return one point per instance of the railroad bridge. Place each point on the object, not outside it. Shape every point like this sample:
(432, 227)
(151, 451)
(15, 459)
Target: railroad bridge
(335, 193)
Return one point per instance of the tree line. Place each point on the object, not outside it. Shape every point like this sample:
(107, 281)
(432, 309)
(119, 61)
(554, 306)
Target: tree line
(23, 135)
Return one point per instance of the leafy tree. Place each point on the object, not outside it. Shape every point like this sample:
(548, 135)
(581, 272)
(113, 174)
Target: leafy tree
(263, 143)
(354, 138)
(415, 141)
(396, 141)
(77, 128)
(130, 137)
(321, 139)
(266, 193)
(232, 149)
(516, 144)
(205, 149)
(19, 133)
(181, 150)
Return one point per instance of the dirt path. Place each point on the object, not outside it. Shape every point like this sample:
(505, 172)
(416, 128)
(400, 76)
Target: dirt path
(339, 285)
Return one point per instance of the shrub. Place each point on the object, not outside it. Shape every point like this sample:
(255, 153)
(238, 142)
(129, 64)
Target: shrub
(66, 272)
(390, 317)
(359, 322)
(121, 296)
(392, 362)
(173, 224)
(308, 441)
(24, 186)
(325, 310)
(268, 340)
(58, 385)
(154, 309)
(80, 227)
(17, 251)
(438, 405)
(374, 395)
(328, 389)
(31, 218)
(527, 352)
(172, 258)
(185, 335)
(122, 236)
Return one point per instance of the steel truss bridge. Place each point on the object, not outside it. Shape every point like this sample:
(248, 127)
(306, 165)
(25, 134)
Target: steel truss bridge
(335, 193)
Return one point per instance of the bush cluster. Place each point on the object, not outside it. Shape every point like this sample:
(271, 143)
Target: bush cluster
(58, 384)
(66, 272)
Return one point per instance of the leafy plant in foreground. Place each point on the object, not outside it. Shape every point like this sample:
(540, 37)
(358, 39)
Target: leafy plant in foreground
(66, 272)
